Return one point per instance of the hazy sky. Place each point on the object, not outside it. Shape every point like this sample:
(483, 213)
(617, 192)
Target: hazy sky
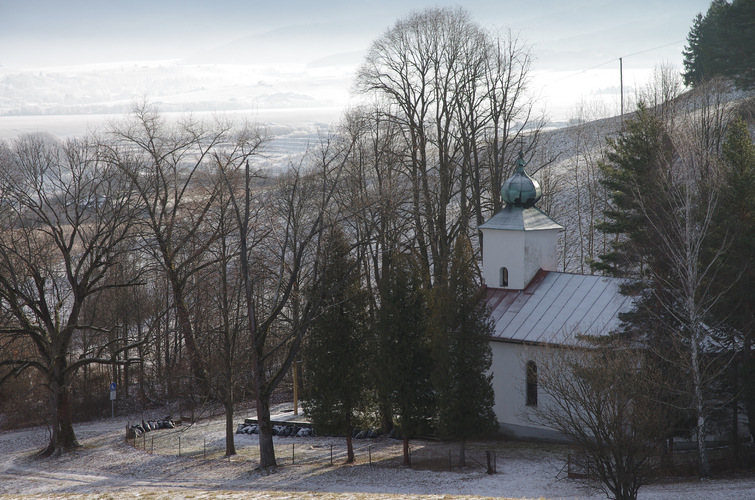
(567, 38)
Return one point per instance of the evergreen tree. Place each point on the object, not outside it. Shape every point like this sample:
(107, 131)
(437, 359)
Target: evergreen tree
(637, 163)
(693, 71)
(462, 329)
(662, 208)
(736, 227)
(722, 43)
(334, 354)
(402, 360)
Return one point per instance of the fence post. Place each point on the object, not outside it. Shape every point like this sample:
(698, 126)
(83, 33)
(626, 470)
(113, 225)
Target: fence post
(152, 448)
(293, 453)
(369, 450)
(491, 461)
(144, 441)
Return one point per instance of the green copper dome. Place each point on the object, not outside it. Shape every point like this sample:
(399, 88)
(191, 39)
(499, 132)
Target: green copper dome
(521, 190)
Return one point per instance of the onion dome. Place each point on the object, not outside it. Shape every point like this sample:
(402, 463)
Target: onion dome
(521, 190)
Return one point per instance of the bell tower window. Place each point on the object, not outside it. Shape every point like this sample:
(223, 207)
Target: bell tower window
(504, 278)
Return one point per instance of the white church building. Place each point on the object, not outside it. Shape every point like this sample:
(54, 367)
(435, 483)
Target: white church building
(533, 305)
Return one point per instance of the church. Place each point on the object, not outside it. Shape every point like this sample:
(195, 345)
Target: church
(534, 306)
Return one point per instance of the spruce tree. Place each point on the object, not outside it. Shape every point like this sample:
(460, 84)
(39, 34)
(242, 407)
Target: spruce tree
(736, 227)
(334, 354)
(638, 163)
(402, 355)
(462, 329)
(722, 43)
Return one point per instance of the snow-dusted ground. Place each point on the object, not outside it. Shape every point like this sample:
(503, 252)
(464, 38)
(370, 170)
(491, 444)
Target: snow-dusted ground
(109, 466)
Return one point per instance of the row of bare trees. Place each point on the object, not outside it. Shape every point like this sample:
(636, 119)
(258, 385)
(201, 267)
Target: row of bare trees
(157, 244)
(162, 252)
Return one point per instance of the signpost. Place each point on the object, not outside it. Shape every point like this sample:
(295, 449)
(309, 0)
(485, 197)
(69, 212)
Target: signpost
(112, 400)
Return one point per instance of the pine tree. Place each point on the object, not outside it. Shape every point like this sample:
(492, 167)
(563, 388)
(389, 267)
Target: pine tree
(334, 354)
(662, 212)
(722, 43)
(736, 226)
(462, 329)
(693, 71)
(637, 164)
(402, 358)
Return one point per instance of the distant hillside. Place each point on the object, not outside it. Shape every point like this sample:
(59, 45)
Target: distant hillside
(573, 196)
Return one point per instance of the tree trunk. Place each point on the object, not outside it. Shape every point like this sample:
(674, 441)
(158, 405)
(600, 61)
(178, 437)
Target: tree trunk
(700, 409)
(230, 445)
(267, 450)
(62, 437)
(349, 449)
(201, 380)
(407, 455)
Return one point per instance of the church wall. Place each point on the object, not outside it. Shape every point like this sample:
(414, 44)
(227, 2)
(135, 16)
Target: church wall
(510, 386)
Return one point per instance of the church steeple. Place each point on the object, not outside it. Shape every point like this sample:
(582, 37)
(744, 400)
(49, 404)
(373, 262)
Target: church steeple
(520, 239)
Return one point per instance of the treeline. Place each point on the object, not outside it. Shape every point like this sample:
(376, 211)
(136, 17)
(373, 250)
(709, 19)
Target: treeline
(722, 43)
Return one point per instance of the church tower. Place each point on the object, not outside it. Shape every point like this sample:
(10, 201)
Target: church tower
(519, 240)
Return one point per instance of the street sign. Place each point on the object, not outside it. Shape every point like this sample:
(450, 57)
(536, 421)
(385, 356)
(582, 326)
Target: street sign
(112, 400)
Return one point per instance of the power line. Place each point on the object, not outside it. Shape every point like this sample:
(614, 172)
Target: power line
(613, 60)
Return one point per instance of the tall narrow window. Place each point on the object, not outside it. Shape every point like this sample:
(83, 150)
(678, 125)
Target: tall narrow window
(504, 277)
(531, 383)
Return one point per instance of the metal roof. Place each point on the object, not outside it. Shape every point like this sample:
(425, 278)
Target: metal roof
(555, 307)
(520, 219)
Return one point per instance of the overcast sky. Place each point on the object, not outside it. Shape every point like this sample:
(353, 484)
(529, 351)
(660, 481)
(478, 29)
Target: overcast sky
(567, 38)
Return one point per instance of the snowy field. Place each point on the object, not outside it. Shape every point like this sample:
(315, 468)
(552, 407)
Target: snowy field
(108, 467)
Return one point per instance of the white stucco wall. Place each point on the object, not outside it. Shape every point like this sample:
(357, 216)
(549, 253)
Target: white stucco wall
(510, 386)
(540, 252)
(503, 249)
(523, 253)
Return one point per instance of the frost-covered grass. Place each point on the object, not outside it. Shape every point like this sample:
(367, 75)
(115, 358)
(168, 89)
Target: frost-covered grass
(109, 467)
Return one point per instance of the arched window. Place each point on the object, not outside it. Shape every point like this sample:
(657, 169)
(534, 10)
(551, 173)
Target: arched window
(504, 277)
(531, 383)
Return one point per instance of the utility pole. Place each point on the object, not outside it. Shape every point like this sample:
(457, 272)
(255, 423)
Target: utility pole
(621, 78)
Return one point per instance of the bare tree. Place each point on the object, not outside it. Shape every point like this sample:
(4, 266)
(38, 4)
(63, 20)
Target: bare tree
(601, 397)
(279, 258)
(66, 225)
(457, 95)
(171, 166)
(684, 235)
